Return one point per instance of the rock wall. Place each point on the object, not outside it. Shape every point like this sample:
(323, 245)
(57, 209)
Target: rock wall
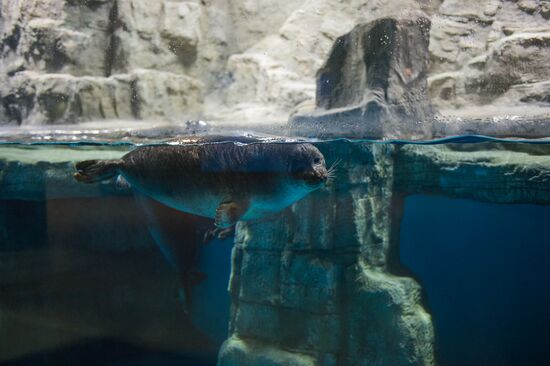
(69, 61)
(374, 80)
(312, 286)
(77, 60)
(490, 52)
(276, 76)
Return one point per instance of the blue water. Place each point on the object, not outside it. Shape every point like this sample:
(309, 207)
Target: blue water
(485, 269)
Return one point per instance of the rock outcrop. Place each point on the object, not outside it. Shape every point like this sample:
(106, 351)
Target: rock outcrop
(76, 61)
(249, 62)
(490, 53)
(316, 278)
(276, 76)
(374, 81)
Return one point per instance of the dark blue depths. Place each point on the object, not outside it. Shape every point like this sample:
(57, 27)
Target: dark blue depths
(82, 282)
(484, 269)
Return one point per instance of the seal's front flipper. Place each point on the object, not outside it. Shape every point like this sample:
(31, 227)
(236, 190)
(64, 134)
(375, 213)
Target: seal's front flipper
(225, 233)
(218, 232)
(229, 212)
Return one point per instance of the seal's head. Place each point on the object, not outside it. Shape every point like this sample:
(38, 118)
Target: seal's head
(306, 164)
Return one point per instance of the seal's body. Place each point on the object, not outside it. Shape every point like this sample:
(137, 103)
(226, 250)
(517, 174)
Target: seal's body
(224, 181)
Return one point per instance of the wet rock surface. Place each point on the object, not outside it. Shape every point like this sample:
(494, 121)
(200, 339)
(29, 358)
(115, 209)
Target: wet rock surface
(375, 79)
(497, 173)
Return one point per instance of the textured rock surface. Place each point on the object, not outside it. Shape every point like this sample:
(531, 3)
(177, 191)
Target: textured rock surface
(131, 58)
(248, 61)
(312, 283)
(62, 98)
(375, 79)
(285, 63)
(489, 52)
(75, 61)
(496, 173)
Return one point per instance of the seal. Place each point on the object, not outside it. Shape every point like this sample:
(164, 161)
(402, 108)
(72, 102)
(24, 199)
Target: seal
(224, 181)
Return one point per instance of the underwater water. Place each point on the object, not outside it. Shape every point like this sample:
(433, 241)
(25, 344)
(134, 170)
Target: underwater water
(82, 279)
(484, 268)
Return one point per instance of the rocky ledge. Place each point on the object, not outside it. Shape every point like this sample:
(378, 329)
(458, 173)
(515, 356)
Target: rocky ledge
(260, 62)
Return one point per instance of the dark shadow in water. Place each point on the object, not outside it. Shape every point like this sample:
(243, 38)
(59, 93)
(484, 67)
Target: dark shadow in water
(485, 269)
(78, 274)
(106, 352)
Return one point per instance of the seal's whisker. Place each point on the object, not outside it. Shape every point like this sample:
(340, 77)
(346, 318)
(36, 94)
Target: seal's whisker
(333, 167)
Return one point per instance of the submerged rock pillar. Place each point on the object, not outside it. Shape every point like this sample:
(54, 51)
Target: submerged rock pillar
(311, 286)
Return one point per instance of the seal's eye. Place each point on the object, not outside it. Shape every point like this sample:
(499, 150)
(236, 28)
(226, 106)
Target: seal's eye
(317, 161)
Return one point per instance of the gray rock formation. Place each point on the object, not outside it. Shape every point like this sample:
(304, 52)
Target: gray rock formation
(277, 74)
(374, 80)
(490, 52)
(75, 61)
(493, 172)
(246, 62)
(311, 286)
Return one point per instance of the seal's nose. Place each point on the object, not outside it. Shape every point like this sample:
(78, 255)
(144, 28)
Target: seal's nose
(323, 176)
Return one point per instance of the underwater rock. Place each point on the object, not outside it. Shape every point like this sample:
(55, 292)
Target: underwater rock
(498, 173)
(316, 278)
(374, 81)
(319, 277)
(236, 352)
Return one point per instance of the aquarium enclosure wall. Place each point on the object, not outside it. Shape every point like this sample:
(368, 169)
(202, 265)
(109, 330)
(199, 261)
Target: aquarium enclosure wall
(273, 183)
